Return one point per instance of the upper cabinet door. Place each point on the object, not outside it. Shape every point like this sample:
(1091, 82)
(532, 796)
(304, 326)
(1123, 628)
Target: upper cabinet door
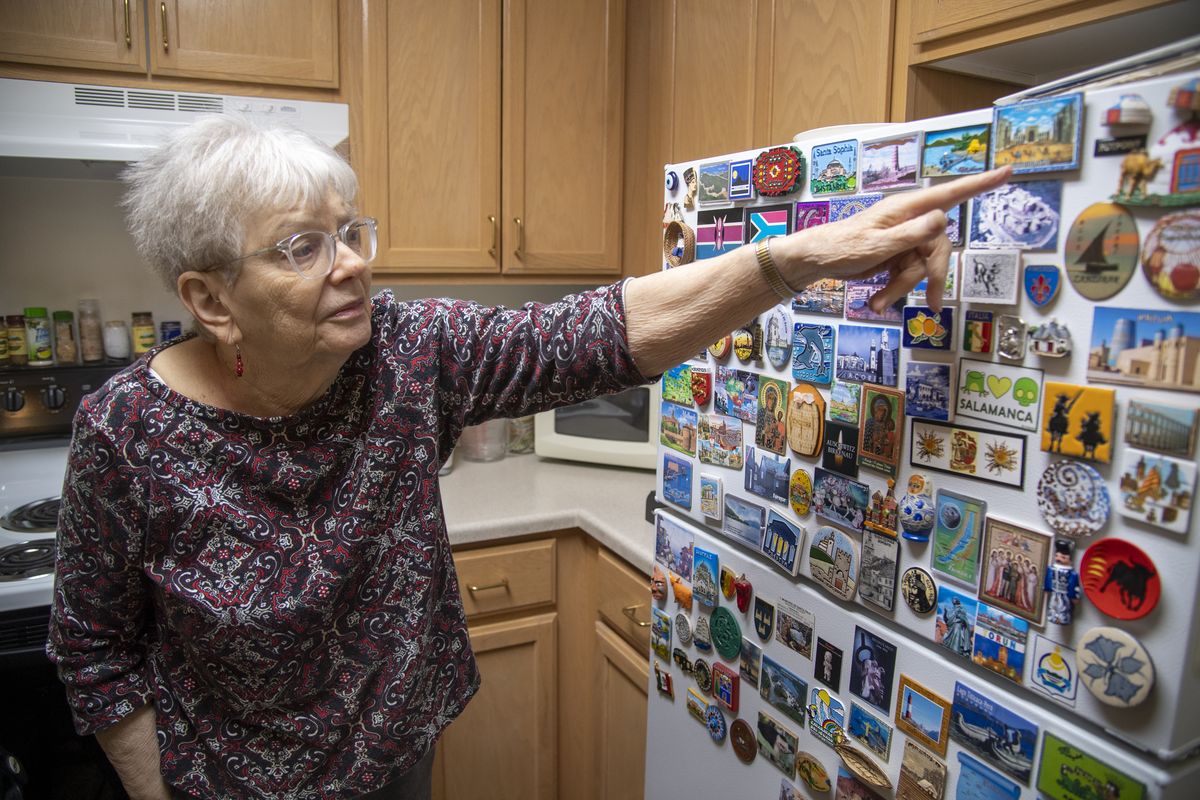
(92, 34)
(290, 42)
(563, 114)
(431, 123)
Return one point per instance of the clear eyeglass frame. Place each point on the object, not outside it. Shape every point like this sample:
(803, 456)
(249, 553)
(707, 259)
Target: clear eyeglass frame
(312, 254)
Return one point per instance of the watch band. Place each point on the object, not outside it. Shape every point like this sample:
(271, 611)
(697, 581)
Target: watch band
(675, 231)
(770, 271)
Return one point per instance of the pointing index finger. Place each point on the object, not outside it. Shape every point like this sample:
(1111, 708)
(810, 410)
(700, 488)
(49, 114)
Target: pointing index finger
(948, 195)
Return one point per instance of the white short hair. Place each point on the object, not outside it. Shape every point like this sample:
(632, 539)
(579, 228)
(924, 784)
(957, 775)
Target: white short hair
(189, 203)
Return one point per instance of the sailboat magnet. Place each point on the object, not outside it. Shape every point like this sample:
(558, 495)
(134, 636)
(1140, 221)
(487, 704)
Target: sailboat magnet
(1101, 250)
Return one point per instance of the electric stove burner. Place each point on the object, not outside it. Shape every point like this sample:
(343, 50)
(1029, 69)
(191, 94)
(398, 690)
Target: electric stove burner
(40, 516)
(29, 560)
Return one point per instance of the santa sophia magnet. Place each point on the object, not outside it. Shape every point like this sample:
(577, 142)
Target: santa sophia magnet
(1171, 259)
(1114, 666)
(1120, 579)
(835, 168)
(1073, 498)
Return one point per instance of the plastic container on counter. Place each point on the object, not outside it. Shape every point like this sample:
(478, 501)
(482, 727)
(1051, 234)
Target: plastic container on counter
(116, 340)
(39, 341)
(91, 331)
(65, 351)
(142, 330)
(486, 442)
(18, 352)
(520, 435)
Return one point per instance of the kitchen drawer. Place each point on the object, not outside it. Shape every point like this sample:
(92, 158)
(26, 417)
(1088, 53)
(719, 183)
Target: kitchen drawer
(506, 577)
(624, 601)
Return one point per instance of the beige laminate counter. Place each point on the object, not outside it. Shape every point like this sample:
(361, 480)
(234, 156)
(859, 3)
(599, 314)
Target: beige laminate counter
(520, 495)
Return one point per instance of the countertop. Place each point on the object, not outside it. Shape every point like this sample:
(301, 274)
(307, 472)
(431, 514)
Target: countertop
(524, 494)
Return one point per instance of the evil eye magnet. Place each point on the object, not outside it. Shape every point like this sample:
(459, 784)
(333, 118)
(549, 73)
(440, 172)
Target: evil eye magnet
(672, 181)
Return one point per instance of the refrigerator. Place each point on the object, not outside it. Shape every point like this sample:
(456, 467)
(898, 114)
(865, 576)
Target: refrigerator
(860, 517)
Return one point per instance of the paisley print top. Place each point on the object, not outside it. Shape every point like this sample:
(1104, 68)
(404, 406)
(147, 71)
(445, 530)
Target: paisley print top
(282, 588)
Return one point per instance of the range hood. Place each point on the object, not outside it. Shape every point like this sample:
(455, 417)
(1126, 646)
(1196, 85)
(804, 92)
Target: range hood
(80, 122)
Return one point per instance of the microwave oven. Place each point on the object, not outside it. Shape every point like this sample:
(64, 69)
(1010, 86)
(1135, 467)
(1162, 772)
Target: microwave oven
(619, 429)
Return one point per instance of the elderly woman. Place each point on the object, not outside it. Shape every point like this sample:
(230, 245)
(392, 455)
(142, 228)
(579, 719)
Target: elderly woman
(255, 595)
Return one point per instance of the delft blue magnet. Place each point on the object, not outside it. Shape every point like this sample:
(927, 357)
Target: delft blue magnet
(918, 509)
(1041, 283)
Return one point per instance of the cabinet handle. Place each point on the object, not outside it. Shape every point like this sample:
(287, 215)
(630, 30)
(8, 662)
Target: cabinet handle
(128, 38)
(162, 10)
(502, 584)
(628, 611)
(520, 237)
(495, 236)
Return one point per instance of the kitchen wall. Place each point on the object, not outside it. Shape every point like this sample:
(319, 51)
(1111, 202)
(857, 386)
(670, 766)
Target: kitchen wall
(62, 239)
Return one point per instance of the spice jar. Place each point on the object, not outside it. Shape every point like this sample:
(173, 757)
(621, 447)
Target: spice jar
(18, 354)
(38, 338)
(65, 351)
(4, 362)
(143, 332)
(91, 332)
(170, 329)
(116, 340)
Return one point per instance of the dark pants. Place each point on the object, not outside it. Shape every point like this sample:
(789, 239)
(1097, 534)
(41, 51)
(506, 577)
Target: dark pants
(416, 784)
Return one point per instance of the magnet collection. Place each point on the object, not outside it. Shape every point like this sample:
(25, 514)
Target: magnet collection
(890, 428)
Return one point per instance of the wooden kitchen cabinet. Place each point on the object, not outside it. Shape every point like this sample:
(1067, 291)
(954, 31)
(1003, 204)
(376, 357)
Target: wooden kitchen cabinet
(278, 42)
(89, 34)
(622, 681)
(718, 76)
(493, 136)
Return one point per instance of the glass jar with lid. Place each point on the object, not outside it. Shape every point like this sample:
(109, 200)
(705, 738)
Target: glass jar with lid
(91, 331)
(14, 329)
(38, 339)
(142, 329)
(65, 350)
(116, 340)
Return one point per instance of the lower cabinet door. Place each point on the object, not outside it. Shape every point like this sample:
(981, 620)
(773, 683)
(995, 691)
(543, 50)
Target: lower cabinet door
(504, 744)
(622, 683)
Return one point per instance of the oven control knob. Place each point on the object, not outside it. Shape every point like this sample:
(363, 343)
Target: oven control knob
(54, 397)
(14, 399)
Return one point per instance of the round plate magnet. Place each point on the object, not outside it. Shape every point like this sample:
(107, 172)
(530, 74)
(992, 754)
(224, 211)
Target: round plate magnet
(744, 743)
(683, 629)
(779, 337)
(1171, 260)
(715, 722)
(743, 344)
(1120, 579)
(703, 675)
(721, 347)
(726, 633)
(1114, 667)
(800, 492)
(919, 590)
(1072, 498)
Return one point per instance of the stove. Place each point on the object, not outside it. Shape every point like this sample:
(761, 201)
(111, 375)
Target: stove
(30, 483)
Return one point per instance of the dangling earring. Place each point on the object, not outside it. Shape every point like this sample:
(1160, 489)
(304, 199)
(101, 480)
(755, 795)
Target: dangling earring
(238, 366)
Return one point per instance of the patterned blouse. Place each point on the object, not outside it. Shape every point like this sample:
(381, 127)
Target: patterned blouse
(282, 589)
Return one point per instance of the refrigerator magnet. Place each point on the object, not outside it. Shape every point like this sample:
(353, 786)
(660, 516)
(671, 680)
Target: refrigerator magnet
(1120, 579)
(1021, 216)
(1114, 667)
(702, 635)
(698, 706)
(744, 745)
(1068, 773)
(800, 492)
(833, 562)
(728, 576)
(778, 171)
(917, 508)
(922, 775)
(955, 151)
(763, 222)
(726, 686)
(740, 185)
(1040, 135)
(683, 629)
(1171, 260)
(882, 514)
(767, 477)
(714, 183)
(919, 590)
(702, 384)
(777, 744)
(862, 767)
(751, 663)
(839, 499)
(871, 731)
(718, 231)
(828, 664)
(990, 277)
(770, 431)
(764, 619)
(977, 331)
(955, 623)
(779, 337)
(1101, 251)
(662, 680)
(1050, 339)
(841, 208)
(926, 329)
(1012, 337)
(1041, 283)
(658, 585)
(715, 722)
(877, 576)
(923, 715)
(1073, 498)
(702, 673)
(812, 353)
(872, 669)
(660, 634)
(1002, 738)
(835, 168)
(805, 420)
(892, 163)
(720, 444)
(705, 572)
(679, 656)
(826, 715)
(711, 491)
(784, 690)
(881, 431)
(810, 771)
(783, 542)
(726, 633)
(1052, 670)
(1014, 563)
(1000, 640)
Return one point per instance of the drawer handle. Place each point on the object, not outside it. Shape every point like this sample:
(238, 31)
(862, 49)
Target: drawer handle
(628, 611)
(502, 584)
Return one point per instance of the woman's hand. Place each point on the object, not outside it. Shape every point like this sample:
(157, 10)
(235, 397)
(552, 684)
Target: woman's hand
(904, 234)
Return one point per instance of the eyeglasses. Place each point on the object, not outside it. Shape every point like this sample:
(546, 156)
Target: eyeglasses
(312, 253)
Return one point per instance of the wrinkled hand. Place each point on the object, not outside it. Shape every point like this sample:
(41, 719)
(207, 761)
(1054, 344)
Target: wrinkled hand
(904, 235)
